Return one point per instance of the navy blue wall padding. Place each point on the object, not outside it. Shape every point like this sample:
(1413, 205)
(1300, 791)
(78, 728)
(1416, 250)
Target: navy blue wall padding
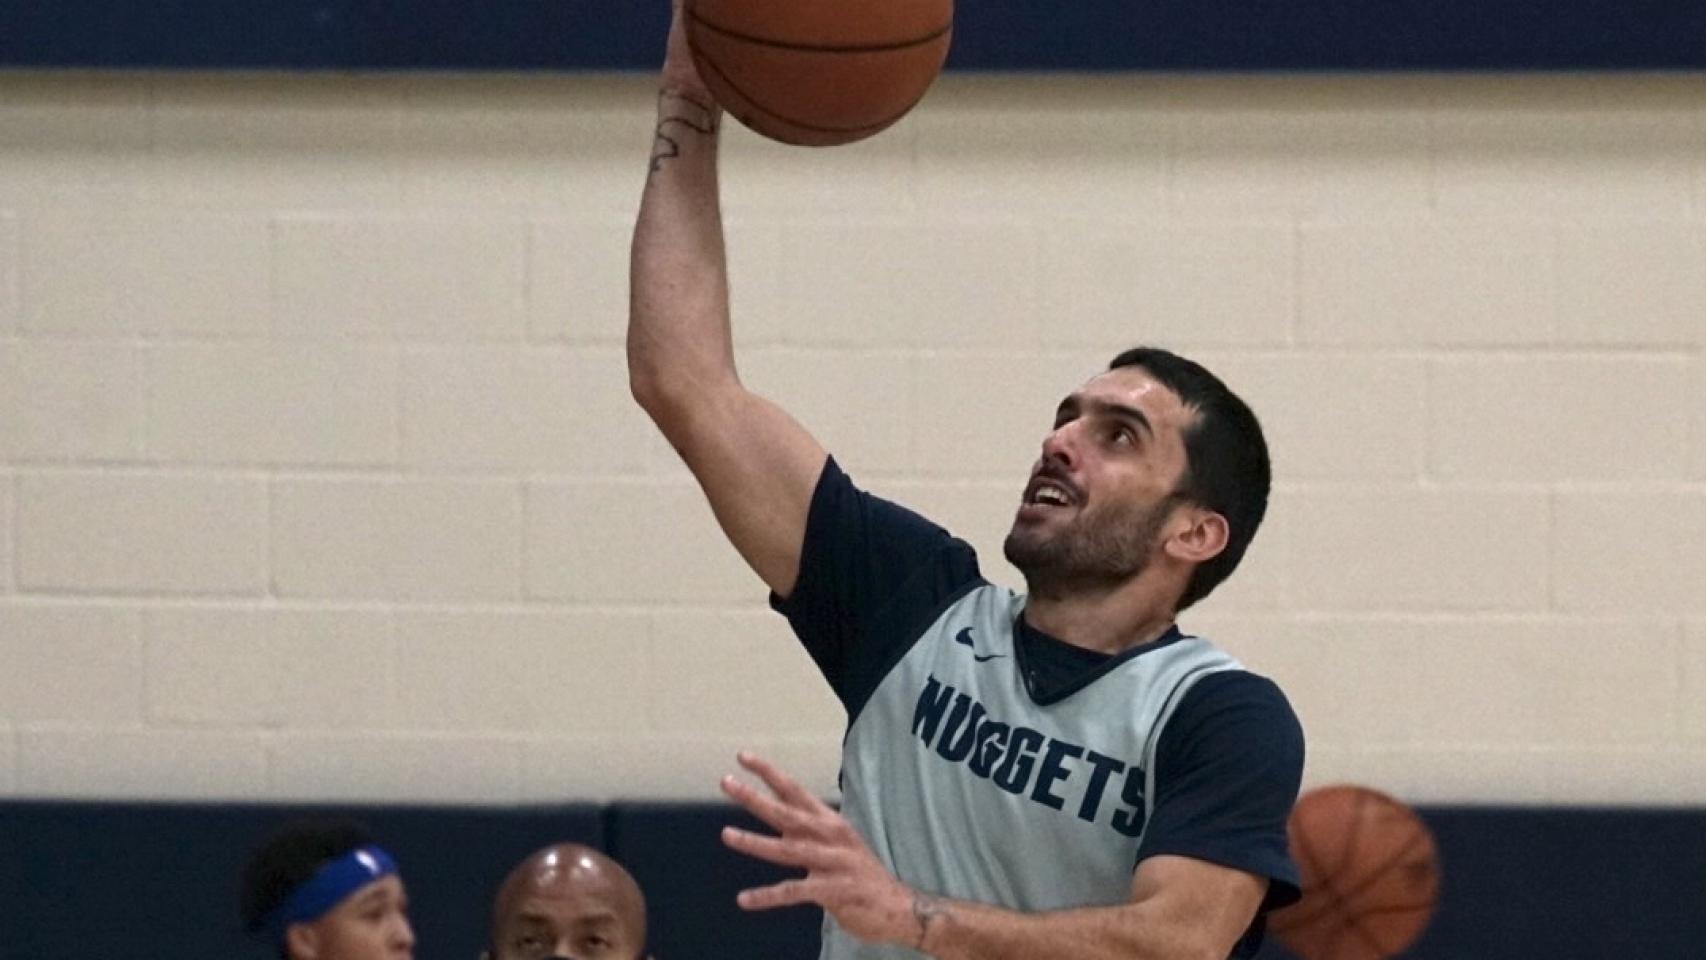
(160, 880)
(989, 34)
(676, 853)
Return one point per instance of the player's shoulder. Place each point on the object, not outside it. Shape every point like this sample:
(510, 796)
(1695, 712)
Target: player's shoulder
(1238, 698)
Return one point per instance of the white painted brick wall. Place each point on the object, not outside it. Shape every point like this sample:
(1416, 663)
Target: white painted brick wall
(1693, 692)
(1366, 412)
(373, 766)
(1041, 145)
(1629, 283)
(1630, 549)
(883, 283)
(1308, 148)
(420, 540)
(1570, 152)
(319, 478)
(126, 532)
(852, 401)
(68, 401)
(8, 501)
(8, 272)
(577, 279)
(88, 762)
(1425, 283)
(1697, 432)
(359, 277)
(1105, 283)
(605, 542)
(70, 664)
(265, 403)
(728, 673)
(8, 759)
(96, 272)
(520, 409)
(231, 142)
(255, 666)
(1536, 417)
(560, 673)
(1392, 547)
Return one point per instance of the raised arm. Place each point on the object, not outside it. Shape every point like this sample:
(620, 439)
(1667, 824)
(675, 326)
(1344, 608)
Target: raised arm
(756, 464)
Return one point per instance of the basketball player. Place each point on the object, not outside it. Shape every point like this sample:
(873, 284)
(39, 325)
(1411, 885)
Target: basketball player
(1058, 774)
(322, 890)
(568, 902)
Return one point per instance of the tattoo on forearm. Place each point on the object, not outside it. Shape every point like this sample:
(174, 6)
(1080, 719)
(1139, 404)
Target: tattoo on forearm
(925, 910)
(679, 115)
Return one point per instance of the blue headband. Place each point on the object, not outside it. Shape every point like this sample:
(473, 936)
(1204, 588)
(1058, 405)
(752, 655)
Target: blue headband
(329, 886)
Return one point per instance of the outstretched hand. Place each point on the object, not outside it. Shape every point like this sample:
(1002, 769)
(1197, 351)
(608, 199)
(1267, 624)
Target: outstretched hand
(842, 876)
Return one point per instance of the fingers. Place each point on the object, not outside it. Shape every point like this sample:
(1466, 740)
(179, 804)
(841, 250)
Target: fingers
(783, 851)
(781, 784)
(785, 894)
(780, 817)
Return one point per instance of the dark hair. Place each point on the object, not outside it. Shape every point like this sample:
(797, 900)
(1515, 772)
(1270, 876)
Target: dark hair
(288, 858)
(1226, 458)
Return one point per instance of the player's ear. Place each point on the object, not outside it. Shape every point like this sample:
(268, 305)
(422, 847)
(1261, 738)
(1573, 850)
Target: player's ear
(301, 942)
(1199, 536)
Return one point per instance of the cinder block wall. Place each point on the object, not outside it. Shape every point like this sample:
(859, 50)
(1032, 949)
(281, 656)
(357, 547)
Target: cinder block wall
(319, 477)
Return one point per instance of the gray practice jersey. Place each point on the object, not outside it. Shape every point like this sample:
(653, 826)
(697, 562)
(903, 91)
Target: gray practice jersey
(985, 762)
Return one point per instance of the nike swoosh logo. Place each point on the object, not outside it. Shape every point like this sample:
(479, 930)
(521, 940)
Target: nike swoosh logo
(963, 638)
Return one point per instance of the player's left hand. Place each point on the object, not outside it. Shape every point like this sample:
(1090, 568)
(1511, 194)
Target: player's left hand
(842, 876)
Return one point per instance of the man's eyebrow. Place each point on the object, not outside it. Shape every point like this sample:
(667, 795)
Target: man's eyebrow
(1108, 408)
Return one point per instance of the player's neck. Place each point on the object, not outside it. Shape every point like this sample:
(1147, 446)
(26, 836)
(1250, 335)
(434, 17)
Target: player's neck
(1107, 623)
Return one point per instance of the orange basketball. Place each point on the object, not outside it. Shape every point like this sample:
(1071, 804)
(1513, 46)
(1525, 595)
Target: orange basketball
(1370, 876)
(818, 72)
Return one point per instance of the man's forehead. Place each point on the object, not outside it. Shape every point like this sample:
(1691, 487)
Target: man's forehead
(571, 886)
(1136, 387)
(588, 909)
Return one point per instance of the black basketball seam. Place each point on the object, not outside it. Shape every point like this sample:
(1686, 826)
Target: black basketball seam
(1354, 925)
(1330, 903)
(1398, 908)
(821, 47)
(816, 128)
(1306, 854)
(1374, 875)
(1327, 949)
(1350, 855)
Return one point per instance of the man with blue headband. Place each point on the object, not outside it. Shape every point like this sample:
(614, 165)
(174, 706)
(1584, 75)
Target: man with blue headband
(325, 891)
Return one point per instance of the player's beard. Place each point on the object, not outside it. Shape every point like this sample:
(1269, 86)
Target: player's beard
(1097, 550)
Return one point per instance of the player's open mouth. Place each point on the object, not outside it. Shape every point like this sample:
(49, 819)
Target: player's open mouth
(1043, 492)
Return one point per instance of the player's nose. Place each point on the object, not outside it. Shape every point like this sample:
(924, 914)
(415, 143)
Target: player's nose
(1059, 445)
(403, 935)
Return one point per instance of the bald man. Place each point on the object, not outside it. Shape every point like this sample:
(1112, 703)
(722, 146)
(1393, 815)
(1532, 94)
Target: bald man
(568, 902)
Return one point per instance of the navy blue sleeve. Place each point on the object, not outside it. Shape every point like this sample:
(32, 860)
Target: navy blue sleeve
(1228, 768)
(873, 575)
